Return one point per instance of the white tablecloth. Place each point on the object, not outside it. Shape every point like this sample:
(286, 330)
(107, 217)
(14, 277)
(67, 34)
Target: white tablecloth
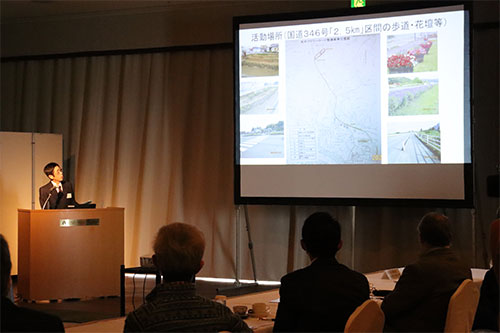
(380, 281)
(258, 325)
(377, 279)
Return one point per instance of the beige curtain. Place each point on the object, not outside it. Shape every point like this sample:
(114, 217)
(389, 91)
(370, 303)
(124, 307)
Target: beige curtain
(153, 133)
(148, 132)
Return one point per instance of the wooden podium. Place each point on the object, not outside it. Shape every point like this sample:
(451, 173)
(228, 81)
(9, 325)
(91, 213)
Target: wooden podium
(69, 253)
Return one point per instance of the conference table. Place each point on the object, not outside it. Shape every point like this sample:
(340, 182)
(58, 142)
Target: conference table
(378, 280)
(257, 325)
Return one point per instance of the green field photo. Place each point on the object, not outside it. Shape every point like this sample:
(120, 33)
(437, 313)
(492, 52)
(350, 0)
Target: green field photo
(260, 61)
(409, 97)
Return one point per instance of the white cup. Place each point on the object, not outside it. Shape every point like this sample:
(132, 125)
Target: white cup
(260, 309)
(221, 299)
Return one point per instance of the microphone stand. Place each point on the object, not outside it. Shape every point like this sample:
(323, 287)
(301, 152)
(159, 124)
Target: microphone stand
(50, 194)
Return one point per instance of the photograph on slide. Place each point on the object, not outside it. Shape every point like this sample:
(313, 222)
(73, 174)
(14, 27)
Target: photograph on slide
(260, 60)
(412, 53)
(413, 96)
(414, 142)
(259, 96)
(265, 139)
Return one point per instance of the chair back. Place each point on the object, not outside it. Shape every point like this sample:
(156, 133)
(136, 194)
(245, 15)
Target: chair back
(368, 317)
(462, 308)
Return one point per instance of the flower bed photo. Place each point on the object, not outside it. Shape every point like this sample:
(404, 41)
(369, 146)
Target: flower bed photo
(400, 63)
(419, 48)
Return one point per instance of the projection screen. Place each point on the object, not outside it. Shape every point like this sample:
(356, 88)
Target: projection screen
(353, 107)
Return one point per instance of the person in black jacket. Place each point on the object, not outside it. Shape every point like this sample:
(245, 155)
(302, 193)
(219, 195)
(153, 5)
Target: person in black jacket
(322, 296)
(488, 309)
(419, 301)
(17, 319)
(57, 193)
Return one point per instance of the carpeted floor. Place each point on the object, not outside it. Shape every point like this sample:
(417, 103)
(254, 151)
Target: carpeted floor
(79, 311)
(136, 288)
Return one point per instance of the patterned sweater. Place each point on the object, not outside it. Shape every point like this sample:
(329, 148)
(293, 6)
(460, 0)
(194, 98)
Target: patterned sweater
(175, 307)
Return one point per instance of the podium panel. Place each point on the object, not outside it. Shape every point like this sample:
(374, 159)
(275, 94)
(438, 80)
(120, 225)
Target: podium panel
(70, 253)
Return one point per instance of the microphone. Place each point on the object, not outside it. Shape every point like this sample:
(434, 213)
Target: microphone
(50, 194)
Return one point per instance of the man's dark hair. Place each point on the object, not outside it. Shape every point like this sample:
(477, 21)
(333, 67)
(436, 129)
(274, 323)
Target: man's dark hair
(435, 229)
(6, 265)
(321, 235)
(49, 168)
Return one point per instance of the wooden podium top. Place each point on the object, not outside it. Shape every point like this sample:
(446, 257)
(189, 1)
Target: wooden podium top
(68, 210)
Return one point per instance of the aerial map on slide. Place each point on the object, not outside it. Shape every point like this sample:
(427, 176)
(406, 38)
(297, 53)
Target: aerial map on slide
(333, 100)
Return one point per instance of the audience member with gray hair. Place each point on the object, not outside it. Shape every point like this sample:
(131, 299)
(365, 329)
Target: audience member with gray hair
(174, 305)
(419, 302)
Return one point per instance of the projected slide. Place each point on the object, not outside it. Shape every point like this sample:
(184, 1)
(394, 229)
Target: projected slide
(324, 93)
(333, 100)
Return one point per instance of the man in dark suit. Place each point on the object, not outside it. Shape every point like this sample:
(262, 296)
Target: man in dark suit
(322, 296)
(487, 313)
(17, 319)
(56, 194)
(419, 302)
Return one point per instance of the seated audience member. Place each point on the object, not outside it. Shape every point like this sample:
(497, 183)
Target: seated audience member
(17, 319)
(322, 296)
(419, 302)
(487, 314)
(173, 305)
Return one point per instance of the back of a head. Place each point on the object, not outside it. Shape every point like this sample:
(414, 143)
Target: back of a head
(6, 265)
(321, 235)
(435, 230)
(178, 249)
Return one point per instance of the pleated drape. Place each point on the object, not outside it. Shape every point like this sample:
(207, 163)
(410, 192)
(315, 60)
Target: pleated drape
(152, 133)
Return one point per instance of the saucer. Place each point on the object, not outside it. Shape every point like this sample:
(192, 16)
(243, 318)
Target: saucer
(259, 314)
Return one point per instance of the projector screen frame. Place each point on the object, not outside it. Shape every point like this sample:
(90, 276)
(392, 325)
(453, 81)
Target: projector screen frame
(468, 168)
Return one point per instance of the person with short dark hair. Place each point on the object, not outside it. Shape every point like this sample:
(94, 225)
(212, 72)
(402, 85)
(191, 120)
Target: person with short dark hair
(17, 319)
(321, 296)
(174, 306)
(57, 193)
(419, 301)
(434, 230)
